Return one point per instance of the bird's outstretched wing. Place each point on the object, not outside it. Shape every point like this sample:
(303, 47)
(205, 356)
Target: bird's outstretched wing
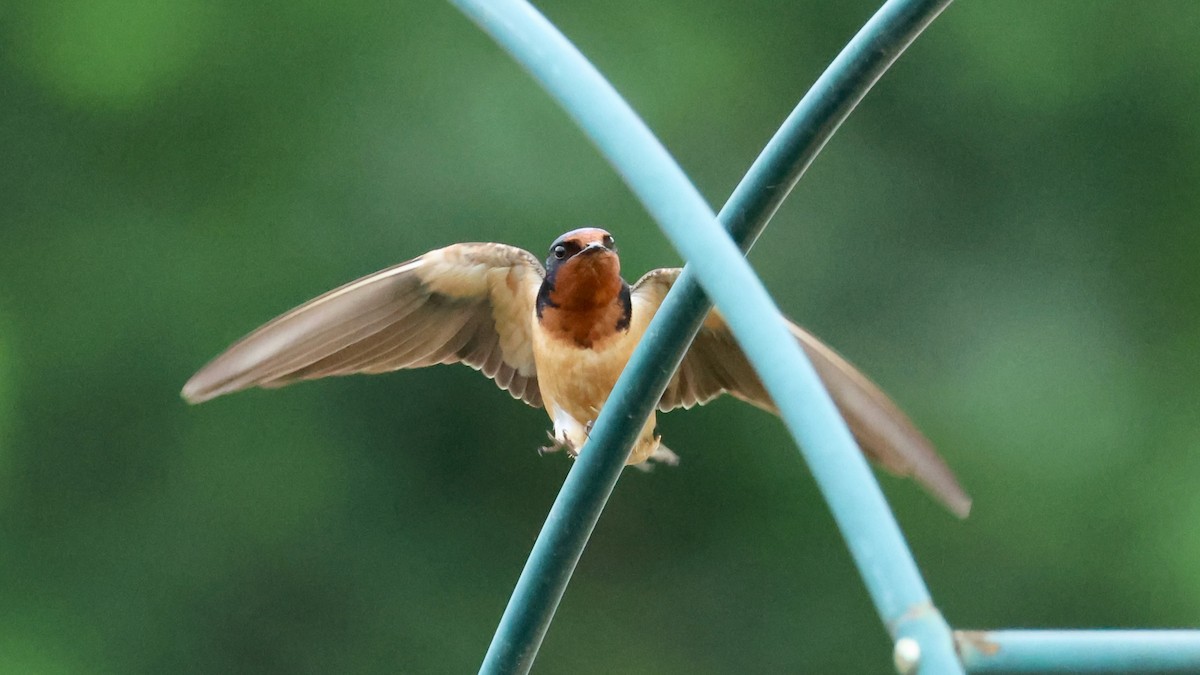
(715, 364)
(469, 303)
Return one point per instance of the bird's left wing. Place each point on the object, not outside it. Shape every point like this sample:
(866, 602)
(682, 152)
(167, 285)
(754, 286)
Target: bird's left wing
(469, 303)
(715, 364)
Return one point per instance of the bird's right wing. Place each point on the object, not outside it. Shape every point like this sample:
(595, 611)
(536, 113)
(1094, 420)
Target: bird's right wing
(469, 303)
(715, 364)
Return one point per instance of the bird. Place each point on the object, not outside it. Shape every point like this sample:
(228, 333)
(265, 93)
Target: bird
(555, 336)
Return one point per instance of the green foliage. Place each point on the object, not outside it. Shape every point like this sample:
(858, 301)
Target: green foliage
(7, 406)
(1003, 234)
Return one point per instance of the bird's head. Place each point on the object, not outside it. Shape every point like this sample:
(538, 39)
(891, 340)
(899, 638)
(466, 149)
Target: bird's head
(583, 269)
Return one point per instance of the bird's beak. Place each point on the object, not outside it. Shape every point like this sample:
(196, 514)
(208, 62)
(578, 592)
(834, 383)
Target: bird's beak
(594, 247)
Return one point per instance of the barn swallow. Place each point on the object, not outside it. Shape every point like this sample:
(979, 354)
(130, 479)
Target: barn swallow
(555, 337)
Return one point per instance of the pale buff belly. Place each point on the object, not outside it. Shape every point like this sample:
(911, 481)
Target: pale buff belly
(575, 383)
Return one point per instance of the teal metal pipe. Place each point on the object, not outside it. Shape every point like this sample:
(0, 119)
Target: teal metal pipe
(1080, 651)
(887, 566)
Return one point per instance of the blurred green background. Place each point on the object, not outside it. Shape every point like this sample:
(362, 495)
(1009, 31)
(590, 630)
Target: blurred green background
(1004, 235)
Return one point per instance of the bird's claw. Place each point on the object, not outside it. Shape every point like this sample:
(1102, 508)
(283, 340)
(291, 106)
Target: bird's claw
(663, 455)
(557, 444)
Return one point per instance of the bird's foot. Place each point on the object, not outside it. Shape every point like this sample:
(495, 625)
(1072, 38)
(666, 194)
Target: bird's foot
(663, 455)
(556, 444)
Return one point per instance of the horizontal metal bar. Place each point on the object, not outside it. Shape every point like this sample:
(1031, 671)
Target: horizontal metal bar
(1080, 651)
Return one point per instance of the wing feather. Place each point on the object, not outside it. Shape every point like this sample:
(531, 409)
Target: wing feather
(715, 364)
(469, 303)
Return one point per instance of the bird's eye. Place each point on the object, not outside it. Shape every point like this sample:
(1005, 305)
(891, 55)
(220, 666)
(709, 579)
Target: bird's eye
(608, 242)
(559, 252)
